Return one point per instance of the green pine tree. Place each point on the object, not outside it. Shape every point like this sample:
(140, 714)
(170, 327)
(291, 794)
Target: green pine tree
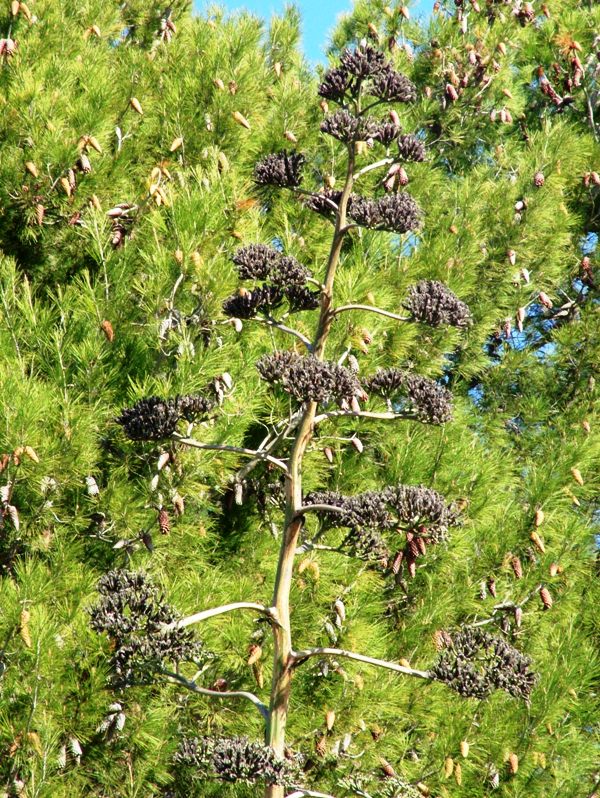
(412, 500)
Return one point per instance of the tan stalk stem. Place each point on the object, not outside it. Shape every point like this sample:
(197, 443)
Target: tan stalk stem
(282, 639)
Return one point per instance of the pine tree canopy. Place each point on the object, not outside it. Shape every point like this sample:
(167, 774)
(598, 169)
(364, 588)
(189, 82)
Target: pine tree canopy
(299, 405)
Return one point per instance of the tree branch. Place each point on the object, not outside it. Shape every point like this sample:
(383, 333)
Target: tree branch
(221, 447)
(318, 508)
(283, 328)
(238, 605)
(176, 677)
(506, 606)
(310, 546)
(385, 416)
(306, 193)
(298, 657)
(371, 309)
(268, 446)
(376, 165)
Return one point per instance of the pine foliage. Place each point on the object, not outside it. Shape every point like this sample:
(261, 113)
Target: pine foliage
(147, 266)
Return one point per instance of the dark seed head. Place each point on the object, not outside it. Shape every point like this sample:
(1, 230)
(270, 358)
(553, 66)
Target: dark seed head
(133, 613)
(392, 86)
(476, 663)
(430, 402)
(336, 82)
(432, 302)
(248, 304)
(282, 169)
(235, 759)
(363, 62)
(410, 148)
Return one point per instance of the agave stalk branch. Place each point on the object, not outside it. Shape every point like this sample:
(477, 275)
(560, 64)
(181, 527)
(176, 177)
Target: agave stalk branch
(285, 329)
(190, 685)
(269, 445)
(372, 166)
(319, 508)
(189, 620)
(298, 657)
(221, 447)
(371, 309)
(282, 640)
(380, 416)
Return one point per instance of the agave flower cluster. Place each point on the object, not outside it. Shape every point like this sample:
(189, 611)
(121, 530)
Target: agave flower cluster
(365, 69)
(396, 213)
(282, 170)
(425, 399)
(285, 278)
(235, 759)
(154, 419)
(133, 613)
(475, 663)
(423, 513)
(432, 302)
(311, 380)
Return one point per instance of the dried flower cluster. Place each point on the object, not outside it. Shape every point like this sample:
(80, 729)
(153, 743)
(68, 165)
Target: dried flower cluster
(392, 86)
(335, 85)
(153, 418)
(247, 304)
(396, 505)
(422, 512)
(432, 302)
(261, 262)
(348, 128)
(282, 169)
(396, 213)
(234, 759)
(476, 663)
(362, 510)
(309, 379)
(363, 62)
(344, 126)
(286, 275)
(133, 613)
(415, 506)
(325, 202)
(302, 298)
(410, 148)
(256, 261)
(428, 401)
(365, 67)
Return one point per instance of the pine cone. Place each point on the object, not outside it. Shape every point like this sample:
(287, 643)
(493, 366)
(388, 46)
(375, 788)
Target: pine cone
(515, 563)
(546, 598)
(164, 522)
